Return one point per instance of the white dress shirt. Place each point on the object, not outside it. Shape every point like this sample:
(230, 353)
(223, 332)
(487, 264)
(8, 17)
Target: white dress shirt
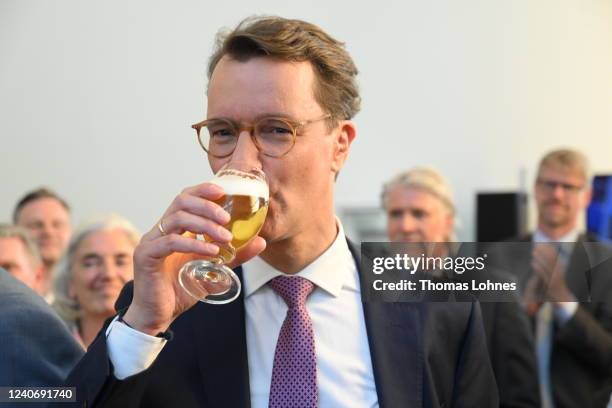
(344, 367)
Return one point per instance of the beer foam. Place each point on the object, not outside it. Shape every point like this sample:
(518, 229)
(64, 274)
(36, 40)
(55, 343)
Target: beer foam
(236, 185)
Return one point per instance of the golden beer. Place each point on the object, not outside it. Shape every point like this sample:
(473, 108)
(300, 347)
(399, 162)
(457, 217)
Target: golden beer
(246, 200)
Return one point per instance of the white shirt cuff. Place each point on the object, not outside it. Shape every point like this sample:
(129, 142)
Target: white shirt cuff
(565, 311)
(131, 351)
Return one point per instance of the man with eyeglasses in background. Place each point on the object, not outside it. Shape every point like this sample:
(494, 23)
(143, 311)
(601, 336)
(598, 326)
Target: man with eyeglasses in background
(573, 339)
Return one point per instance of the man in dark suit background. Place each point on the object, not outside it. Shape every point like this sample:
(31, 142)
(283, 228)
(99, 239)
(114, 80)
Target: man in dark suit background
(37, 348)
(281, 97)
(573, 338)
(420, 209)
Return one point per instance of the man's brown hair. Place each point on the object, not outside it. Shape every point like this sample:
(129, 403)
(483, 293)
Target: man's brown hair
(42, 192)
(336, 87)
(568, 160)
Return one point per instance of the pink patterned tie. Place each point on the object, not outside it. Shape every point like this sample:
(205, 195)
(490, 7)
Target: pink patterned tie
(294, 375)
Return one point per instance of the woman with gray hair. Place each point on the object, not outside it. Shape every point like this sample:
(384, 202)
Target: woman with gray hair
(92, 272)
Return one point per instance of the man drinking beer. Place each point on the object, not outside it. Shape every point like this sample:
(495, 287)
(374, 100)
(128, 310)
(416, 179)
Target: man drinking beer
(299, 334)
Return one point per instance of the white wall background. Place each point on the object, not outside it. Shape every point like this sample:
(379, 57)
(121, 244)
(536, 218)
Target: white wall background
(97, 98)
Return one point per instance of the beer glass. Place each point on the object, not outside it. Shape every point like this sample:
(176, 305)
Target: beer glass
(246, 200)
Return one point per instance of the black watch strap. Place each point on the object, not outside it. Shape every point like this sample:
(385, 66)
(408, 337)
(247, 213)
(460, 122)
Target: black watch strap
(168, 334)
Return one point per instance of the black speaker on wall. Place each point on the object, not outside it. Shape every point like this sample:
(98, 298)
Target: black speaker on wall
(500, 216)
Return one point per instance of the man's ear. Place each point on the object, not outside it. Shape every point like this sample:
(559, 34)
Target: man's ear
(344, 136)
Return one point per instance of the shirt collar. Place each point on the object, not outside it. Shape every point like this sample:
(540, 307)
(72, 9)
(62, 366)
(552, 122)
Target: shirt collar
(572, 236)
(330, 271)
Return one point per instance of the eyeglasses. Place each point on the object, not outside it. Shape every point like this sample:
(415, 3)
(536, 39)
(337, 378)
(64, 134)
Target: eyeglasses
(272, 136)
(550, 186)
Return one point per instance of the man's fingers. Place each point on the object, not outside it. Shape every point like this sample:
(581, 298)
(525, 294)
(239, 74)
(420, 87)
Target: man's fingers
(209, 191)
(531, 289)
(174, 243)
(532, 308)
(188, 247)
(546, 263)
(539, 267)
(200, 205)
(543, 262)
(179, 215)
(182, 221)
(532, 295)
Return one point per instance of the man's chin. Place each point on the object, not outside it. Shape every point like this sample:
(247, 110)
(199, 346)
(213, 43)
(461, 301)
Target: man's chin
(555, 210)
(410, 240)
(50, 259)
(556, 220)
(50, 248)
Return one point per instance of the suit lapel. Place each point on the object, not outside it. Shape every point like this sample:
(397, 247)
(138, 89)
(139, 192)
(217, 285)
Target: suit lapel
(396, 348)
(220, 337)
(578, 272)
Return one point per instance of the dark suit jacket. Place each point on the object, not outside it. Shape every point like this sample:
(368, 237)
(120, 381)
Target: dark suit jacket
(423, 355)
(581, 359)
(508, 334)
(512, 353)
(36, 348)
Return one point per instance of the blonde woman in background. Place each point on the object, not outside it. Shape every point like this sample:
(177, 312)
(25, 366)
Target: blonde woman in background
(92, 272)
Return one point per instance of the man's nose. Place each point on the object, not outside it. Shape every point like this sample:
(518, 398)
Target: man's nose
(408, 223)
(47, 229)
(558, 191)
(246, 150)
